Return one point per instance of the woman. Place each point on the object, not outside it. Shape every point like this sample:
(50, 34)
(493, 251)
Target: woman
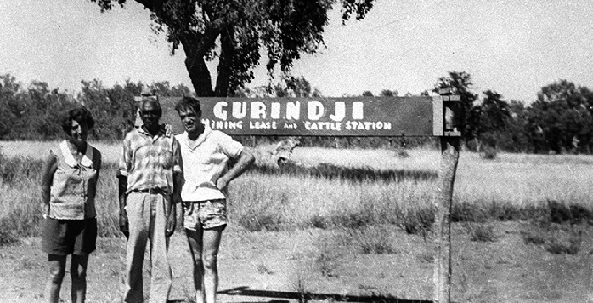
(206, 173)
(69, 182)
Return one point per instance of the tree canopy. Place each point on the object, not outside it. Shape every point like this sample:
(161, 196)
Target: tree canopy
(562, 117)
(234, 31)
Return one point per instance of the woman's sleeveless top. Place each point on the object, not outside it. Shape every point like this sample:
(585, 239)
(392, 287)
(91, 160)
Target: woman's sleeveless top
(74, 186)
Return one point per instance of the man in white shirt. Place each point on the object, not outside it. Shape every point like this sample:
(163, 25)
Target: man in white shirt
(206, 154)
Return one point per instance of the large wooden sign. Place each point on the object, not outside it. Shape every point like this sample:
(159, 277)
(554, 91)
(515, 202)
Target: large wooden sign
(374, 116)
(387, 116)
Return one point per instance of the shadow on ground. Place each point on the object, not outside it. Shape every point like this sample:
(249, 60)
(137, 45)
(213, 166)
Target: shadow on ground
(285, 296)
(331, 171)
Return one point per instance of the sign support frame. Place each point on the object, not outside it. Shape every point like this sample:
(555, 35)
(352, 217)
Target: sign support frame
(445, 108)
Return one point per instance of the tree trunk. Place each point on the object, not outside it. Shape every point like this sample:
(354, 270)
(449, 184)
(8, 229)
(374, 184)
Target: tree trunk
(196, 46)
(225, 63)
(199, 75)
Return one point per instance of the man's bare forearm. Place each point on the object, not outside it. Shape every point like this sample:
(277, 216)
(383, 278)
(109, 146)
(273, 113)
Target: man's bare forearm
(177, 186)
(123, 187)
(45, 196)
(245, 160)
(48, 168)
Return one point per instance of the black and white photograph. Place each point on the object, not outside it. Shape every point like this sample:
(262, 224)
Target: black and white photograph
(294, 151)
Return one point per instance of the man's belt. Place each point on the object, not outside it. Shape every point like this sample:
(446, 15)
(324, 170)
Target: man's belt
(157, 190)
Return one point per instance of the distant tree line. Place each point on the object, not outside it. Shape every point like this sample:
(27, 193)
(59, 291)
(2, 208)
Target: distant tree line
(559, 121)
(33, 112)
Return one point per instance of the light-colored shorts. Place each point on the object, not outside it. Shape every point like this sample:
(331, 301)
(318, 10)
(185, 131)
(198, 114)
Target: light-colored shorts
(207, 214)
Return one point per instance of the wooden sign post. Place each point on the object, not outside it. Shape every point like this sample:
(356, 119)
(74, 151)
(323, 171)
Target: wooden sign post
(444, 108)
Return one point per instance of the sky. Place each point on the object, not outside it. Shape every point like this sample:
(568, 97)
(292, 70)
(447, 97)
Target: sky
(511, 47)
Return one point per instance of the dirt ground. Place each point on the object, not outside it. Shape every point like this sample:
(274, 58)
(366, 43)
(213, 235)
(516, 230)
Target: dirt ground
(288, 265)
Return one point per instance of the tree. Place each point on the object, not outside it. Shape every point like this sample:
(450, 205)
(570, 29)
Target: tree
(30, 113)
(287, 86)
(112, 108)
(9, 87)
(367, 93)
(290, 86)
(43, 111)
(494, 115)
(388, 93)
(234, 31)
(165, 89)
(563, 115)
(180, 90)
(299, 86)
(516, 137)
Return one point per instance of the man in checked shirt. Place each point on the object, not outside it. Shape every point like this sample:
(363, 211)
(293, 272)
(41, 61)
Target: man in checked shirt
(149, 178)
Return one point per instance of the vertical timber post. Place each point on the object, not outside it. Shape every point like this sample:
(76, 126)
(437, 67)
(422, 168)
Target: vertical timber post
(444, 125)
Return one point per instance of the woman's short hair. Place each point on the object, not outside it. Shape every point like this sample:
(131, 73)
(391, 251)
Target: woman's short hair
(80, 115)
(188, 102)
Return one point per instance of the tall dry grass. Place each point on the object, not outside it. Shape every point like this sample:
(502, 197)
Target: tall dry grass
(110, 150)
(525, 180)
(276, 201)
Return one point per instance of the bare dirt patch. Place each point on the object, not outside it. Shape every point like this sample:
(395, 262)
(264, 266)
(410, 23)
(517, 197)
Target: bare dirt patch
(318, 265)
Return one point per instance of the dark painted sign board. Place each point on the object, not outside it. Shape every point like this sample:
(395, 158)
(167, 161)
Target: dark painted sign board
(356, 116)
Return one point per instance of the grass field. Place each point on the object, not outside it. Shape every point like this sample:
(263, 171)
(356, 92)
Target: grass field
(363, 223)
(390, 187)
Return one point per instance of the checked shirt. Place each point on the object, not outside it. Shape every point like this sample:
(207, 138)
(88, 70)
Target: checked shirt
(147, 162)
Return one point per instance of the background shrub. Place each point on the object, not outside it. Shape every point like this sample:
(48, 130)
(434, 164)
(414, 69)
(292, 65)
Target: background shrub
(489, 152)
(481, 232)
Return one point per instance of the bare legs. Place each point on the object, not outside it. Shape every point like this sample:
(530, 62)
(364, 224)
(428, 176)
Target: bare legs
(57, 270)
(203, 246)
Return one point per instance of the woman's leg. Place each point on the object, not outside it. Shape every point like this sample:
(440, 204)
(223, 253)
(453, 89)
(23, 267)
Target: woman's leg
(194, 238)
(78, 268)
(211, 239)
(57, 268)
